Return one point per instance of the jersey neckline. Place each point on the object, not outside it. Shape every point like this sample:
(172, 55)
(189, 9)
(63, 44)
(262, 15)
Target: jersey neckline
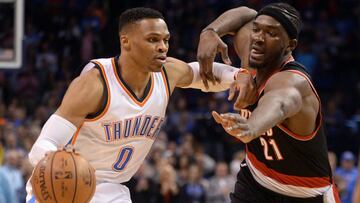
(148, 89)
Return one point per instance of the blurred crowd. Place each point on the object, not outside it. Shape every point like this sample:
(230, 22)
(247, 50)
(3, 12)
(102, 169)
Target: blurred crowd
(193, 160)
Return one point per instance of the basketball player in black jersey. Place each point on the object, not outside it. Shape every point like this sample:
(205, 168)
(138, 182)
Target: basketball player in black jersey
(286, 154)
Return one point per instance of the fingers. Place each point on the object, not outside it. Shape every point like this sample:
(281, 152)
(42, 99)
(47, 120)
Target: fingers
(209, 72)
(238, 127)
(217, 117)
(217, 79)
(246, 87)
(209, 44)
(239, 103)
(204, 79)
(232, 91)
(233, 117)
(206, 65)
(223, 48)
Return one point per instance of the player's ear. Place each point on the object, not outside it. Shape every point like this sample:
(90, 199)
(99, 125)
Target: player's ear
(292, 45)
(124, 41)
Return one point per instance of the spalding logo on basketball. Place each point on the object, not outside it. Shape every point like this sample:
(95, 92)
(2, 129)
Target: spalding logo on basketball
(63, 176)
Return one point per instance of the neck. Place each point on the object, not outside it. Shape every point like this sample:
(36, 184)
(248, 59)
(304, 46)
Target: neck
(262, 74)
(134, 75)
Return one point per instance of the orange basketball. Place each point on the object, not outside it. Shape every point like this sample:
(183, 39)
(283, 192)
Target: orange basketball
(63, 176)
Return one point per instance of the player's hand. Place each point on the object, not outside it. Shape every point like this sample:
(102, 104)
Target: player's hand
(209, 45)
(235, 125)
(246, 88)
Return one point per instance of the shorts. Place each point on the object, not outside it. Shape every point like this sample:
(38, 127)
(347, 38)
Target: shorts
(247, 190)
(111, 193)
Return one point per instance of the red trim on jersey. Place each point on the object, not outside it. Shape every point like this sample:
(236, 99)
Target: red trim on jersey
(141, 104)
(335, 192)
(262, 86)
(309, 182)
(108, 91)
(318, 121)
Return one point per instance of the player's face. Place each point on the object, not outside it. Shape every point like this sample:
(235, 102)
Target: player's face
(150, 43)
(268, 41)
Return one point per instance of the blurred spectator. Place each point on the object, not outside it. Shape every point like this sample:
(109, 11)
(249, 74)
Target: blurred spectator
(12, 172)
(349, 173)
(204, 160)
(143, 189)
(339, 180)
(333, 161)
(235, 163)
(193, 191)
(220, 185)
(169, 190)
(356, 195)
(6, 193)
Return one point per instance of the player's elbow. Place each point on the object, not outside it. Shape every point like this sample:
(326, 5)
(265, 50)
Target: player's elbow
(246, 12)
(291, 105)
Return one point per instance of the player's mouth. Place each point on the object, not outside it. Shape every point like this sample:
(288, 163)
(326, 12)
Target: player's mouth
(256, 53)
(161, 59)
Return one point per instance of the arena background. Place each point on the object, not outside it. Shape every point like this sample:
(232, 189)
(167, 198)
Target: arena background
(60, 36)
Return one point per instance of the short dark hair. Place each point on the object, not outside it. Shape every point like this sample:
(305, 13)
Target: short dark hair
(135, 14)
(286, 14)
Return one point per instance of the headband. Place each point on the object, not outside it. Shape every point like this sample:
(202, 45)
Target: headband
(283, 17)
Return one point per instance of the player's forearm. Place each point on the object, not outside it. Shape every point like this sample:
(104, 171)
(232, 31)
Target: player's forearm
(232, 20)
(57, 131)
(225, 73)
(273, 108)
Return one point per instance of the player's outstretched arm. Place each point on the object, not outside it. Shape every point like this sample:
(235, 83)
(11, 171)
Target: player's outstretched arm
(83, 97)
(187, 75)
(284, 96)
(210, 42)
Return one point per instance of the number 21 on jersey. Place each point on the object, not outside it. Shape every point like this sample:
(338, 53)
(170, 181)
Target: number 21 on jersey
(123, 158)
(266, 142)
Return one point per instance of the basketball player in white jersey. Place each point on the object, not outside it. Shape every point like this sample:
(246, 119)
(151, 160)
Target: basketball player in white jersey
(113, 111)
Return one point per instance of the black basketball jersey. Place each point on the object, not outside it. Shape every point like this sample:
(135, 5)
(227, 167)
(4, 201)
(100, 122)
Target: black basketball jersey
(288, 163)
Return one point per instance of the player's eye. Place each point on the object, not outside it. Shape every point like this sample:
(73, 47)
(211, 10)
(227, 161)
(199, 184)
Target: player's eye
(153, 39)
(272, 34)
(255, 29)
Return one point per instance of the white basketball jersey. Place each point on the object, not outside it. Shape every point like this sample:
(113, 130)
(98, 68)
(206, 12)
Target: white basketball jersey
(117, 141)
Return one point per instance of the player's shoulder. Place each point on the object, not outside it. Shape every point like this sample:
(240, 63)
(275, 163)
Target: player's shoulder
(287, 78)
(175, 65)
(90, 80)
(174, 62)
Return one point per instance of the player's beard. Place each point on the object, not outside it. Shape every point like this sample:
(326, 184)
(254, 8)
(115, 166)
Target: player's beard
(267, 62)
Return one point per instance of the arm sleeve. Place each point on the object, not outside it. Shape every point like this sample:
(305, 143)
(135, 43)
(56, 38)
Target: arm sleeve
(56, 132)
(225, 73)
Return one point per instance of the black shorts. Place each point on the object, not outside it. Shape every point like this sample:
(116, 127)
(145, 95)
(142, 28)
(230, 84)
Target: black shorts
(247, 190)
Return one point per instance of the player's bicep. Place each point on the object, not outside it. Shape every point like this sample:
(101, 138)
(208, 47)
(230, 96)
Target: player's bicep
(83, 97)
(284, 90)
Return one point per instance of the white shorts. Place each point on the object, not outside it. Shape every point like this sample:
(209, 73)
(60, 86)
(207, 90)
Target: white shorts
(104, 193)
(111, 193)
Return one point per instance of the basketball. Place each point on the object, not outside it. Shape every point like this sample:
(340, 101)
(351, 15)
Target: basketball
(63, 176)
